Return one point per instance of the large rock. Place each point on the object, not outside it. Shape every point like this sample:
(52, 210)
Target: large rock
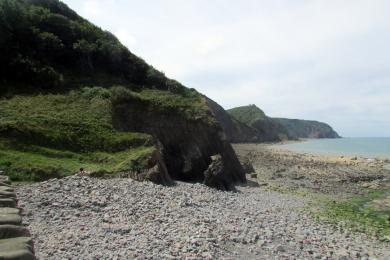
(156, 171)
(188, 144)
(215, 174)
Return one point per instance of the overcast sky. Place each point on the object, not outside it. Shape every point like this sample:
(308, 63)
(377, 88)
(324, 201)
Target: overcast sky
(327, 60)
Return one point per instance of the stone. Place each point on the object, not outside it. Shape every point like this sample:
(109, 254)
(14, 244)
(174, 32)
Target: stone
(214, 175)
(6, 189)
(248, 167)
(12, 219)
(7, 194)
(11, 231)
(9, 211)
(7, 202)
(19, 248)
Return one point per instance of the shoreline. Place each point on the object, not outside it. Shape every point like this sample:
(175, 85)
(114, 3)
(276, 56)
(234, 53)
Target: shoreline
(82, 217)
(283, 145)
(319, 172)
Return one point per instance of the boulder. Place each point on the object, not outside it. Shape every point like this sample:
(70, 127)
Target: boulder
(215, 174)
(248, 167)
(156, 171)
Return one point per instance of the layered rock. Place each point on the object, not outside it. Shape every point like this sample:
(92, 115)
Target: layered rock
(188, 144)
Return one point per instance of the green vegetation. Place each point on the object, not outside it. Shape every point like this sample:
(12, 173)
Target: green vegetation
(34, 163)
(362, 213)
(307, 128)
(247, 114)
(190, 106)
(284, 128)
(268, 128)
(53, 135)
(50, 123)
(45, 46)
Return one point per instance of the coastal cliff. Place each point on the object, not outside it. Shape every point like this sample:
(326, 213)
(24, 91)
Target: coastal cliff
(307, 128)
(267, 129)
(248, 124)
(74, 98)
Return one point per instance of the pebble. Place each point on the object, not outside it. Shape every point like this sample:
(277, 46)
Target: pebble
(85, 218)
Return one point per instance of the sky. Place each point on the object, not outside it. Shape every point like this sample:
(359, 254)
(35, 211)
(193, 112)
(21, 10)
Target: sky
(325, 60)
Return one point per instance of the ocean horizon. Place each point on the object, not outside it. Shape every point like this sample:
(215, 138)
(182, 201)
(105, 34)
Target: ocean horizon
(378, 147)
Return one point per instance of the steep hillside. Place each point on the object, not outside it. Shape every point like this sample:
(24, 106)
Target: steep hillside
(307, 129)
(236, 131)
(274, 129)
(72, 96)
(268, 129)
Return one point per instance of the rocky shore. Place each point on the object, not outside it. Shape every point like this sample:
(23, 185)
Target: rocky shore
(87, 218)
(332, 175)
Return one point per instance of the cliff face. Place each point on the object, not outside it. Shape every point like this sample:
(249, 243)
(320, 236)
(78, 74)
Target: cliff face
(261, 128)
(57, 73)
(307, 129)
(188, 145)
(236, 132)
(266, 129)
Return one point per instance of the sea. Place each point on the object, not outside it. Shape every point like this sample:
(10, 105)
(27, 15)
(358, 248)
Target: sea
(368, 147)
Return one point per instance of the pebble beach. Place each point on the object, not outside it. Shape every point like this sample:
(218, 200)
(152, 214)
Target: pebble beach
(86, 218)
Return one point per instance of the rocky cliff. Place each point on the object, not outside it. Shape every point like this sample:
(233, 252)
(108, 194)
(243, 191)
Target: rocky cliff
(61, 112)
(236, 131)
(250, 124)
(267, 129)
(187, 144)
(307, 128)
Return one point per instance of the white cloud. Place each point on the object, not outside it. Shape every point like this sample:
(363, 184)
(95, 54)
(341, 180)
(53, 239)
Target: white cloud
(315, 59)
(92, 8)
(126, 38)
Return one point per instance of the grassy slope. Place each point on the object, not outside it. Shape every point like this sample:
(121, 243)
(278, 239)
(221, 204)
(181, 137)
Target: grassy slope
(49, 124)
(247, 114)
(54, 135)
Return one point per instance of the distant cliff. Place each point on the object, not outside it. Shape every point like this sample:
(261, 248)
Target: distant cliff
(307, 129)
(250, 124)
(268, 129)
(236, 131)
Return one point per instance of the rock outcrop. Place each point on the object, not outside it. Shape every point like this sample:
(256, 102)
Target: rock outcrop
(268, 129)
(15, 240)
(235, 131)
(188, 144)
(307, 128)
(84, 55)
(264, 128)
(156, 171)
